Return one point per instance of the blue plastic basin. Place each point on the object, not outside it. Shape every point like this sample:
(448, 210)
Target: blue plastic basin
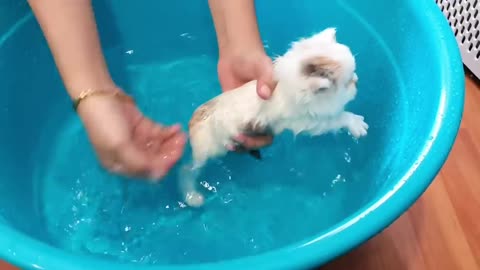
(308, 201)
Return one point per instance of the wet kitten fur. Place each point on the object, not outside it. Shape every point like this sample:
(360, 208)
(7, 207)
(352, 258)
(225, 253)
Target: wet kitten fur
(316, 79)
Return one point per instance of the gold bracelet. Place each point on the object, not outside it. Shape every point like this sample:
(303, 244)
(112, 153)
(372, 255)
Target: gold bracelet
(92, 92)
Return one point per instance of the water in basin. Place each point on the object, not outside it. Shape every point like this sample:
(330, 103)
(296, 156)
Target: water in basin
(302, 187)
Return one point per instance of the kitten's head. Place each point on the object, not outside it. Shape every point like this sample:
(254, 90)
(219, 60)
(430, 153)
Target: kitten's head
(318, 68)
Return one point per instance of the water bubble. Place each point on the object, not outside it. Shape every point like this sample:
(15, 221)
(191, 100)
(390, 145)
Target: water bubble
(182, 205)
(227, 198)
(337, 179)
(265, 44)
(206, 185)
(86, 220)
(347, 157)
(187, 35)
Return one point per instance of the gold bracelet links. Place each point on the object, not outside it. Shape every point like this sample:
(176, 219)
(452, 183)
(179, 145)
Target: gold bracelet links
(101, 92)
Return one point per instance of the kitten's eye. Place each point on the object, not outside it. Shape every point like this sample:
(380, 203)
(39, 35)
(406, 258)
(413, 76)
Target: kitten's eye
(353, 81)
(320, 90)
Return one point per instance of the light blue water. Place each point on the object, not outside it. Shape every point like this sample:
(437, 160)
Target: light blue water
(303, 186)
(53, 191)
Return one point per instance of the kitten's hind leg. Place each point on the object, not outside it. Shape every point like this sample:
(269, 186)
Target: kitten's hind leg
(188, 186)
(256, 154)
(255, 129)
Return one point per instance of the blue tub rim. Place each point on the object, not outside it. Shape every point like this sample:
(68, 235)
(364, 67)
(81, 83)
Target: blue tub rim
(363, 225)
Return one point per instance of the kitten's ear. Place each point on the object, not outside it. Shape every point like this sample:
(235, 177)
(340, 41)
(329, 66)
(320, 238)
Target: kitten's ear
(330, 34)
(321, 66)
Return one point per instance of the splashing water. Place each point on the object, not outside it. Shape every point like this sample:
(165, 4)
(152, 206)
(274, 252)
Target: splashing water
(250, 206)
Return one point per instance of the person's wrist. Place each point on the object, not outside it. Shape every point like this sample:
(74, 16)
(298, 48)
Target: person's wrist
(87, 80)
(105, 121)
(242, 51)
(95, 100)
(241, 45)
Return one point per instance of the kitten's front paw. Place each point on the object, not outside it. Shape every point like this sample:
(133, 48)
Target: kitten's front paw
(357, 126)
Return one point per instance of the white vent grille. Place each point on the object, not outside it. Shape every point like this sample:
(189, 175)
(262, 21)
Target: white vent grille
(464, 18)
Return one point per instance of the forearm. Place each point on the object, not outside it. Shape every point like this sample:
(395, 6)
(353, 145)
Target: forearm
(70, 29)
(236, 25)
(216, 10)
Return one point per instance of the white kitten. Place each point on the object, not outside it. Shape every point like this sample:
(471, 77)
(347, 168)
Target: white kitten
(316, 79)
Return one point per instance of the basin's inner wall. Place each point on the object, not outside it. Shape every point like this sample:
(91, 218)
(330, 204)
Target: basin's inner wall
(418, 55)
(34, 108)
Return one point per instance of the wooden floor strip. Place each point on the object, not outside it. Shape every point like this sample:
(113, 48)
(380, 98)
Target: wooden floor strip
(442, 229)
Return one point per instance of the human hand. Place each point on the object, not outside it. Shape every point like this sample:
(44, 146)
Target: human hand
(236, 69)
(128, 143)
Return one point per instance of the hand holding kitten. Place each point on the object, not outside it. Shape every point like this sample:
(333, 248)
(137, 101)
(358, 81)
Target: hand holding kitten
(236, 69)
